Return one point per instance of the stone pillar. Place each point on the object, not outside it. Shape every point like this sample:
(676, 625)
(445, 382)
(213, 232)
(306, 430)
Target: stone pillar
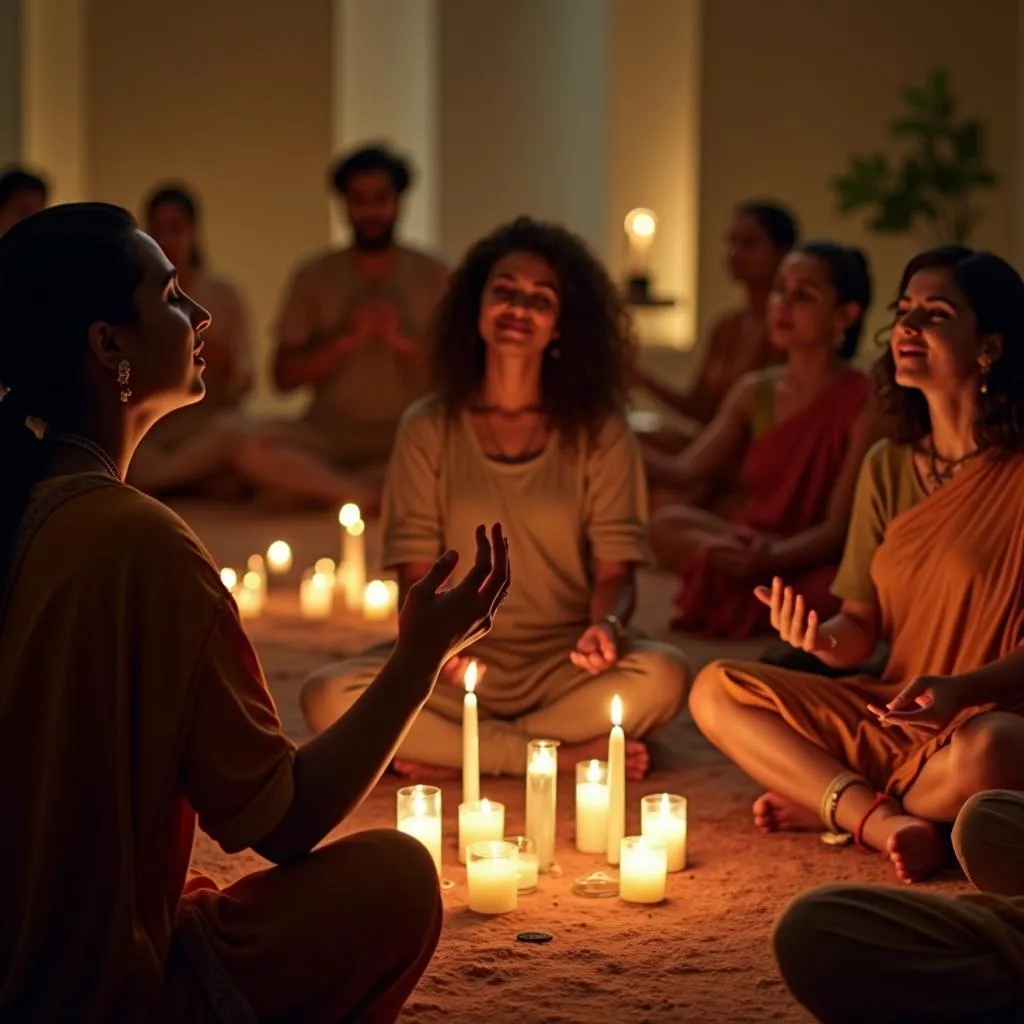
(385, 89)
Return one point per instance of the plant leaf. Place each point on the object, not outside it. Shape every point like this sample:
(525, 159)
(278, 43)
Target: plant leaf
(967, 141)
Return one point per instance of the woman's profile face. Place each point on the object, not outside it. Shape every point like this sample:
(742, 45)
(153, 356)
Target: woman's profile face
(163, 346)
(172, 229)
(935, 343)
(751, 256)
(520, 305)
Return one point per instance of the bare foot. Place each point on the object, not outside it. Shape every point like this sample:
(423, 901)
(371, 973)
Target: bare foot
(774, 813)
(638, 760)
(415, 772)
(916, 848)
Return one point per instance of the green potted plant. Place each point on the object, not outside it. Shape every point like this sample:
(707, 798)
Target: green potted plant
(931, 188)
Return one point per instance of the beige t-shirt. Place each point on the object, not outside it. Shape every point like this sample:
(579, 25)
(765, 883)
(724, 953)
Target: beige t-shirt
(562, 511)
(888, 485)
(373, 385)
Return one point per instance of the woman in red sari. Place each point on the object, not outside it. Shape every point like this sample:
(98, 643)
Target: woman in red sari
(799, 432)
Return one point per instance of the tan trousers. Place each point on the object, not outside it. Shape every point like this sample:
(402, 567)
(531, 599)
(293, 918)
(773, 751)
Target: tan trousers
(343, 934)
(571, 706)
(877, 954)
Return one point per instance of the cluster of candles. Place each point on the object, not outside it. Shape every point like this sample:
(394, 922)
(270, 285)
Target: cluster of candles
(499, 868)
(324, 585)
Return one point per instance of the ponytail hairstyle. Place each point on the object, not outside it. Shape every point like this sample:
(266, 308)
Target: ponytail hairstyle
(178, 195)
(61, 271)
(850, 274)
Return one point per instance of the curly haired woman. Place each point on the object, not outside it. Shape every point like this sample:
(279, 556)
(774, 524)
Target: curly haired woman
(934, 564)
(533, 352)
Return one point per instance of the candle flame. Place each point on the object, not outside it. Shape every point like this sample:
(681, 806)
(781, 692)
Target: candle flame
(616, 710)
(666, 806)
(376, 594)
(485, 805)
(252, 581)
(594, 771)
(324, 567)
(255, 563)
(470, 677)
(229, 578)
(279, 554)
(349, 515)
(320, 581)
(543, 762)
(419, 806)
(356, 529)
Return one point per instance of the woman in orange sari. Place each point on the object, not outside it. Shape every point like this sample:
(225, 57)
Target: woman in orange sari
(132, 703)
(934, 564)
(799, 432)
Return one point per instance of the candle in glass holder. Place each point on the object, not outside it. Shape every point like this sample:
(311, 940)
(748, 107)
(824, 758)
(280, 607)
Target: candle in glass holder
(592, 806)
(527, 862)
(479, 820)
(492, 877)
(352, 567)
(249, 596)
(470, 737)
(663, 820)
(377, 603)
(643, 870)
(316, 596)
(279, 558)
(616, 783)
(419, 815)
(541, 798)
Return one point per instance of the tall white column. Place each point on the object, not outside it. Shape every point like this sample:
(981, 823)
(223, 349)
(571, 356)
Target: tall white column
(385, 89)
(523, 101)
(53, 90)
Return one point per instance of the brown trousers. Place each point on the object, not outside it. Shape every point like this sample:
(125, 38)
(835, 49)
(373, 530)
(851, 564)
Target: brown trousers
(852, 953)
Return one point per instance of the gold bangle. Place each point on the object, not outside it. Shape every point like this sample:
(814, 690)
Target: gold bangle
(830, 800)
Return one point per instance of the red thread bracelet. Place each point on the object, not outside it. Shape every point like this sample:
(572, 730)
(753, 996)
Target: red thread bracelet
(858, 836)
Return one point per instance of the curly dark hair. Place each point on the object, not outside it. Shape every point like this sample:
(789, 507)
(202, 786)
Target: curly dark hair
(371, 158)
(995, 293)
(589, 379)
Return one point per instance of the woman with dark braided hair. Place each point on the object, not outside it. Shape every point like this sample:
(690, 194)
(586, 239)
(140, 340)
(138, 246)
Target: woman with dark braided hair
(934, 565)
(132, 703)
(533, 350)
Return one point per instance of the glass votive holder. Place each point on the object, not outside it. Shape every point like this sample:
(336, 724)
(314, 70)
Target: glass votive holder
(492, 877)
(592, 806)
(643, 870)
(527, 862)
(419, 815)
(480, 820)
(663, 820)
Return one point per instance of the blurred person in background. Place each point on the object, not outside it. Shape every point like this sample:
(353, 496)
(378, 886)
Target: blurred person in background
(22, 193)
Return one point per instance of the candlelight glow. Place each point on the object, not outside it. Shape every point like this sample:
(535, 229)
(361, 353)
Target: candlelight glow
(324, 567)
(640, 224)
(543, 761)
(356, 529)
(419, 805)
(666, 806)
(320, 581)
(252, 581)
(229, 578)
(279, 556)
(349, 515)
(377, 594)
(485, 805)
(616, 710)
(255, 563)
(594, 771)
(470, 677)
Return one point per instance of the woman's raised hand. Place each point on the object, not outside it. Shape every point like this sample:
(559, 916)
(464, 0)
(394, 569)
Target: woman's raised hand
(438, 624)
(790, 618)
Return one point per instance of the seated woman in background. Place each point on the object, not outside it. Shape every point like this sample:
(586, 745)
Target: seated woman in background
(934, 564)
(132, 703)
(192, 450)
(799, 432)
(738, 342)
(533, 352)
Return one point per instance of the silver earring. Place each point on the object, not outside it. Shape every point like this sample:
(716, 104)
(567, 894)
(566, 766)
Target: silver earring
(986, 368)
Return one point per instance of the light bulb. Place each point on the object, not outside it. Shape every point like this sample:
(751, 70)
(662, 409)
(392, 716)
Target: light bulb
(640, 225)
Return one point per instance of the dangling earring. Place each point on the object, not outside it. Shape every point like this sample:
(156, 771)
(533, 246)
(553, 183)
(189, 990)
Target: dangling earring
(123, 373)
(986, 368)
(554, 351)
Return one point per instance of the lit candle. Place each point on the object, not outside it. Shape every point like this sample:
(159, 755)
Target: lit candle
(249, 596)
(663, 820)
(592, 807)
(316, 596)
(325, 567)
(492, 877)
(616, 783)
(470, 737)
(419, 816)
(541, 798)
(229, 578)
(377, 603)
(257, 564)
(527, 862)
(352, 570)
(643, 871)
(479, 820)
(279, 557)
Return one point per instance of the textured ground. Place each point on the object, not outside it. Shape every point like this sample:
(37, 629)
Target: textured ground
(702, 956)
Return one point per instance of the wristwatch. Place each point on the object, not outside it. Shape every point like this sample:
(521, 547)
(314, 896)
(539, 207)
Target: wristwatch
(618, 631)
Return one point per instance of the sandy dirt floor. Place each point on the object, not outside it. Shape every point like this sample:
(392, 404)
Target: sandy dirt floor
(702, 956)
